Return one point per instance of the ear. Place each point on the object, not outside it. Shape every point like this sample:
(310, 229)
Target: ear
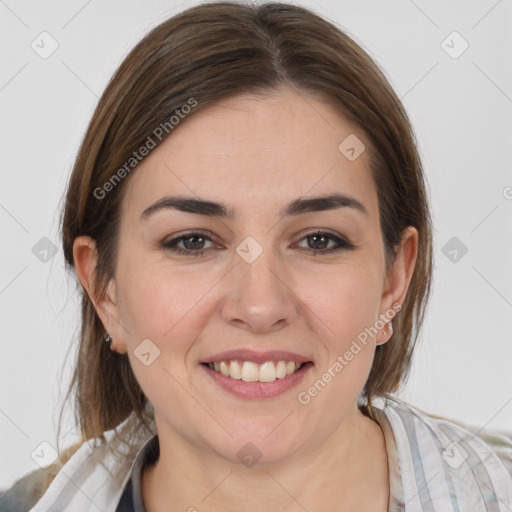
(397, 280)
(85, 257)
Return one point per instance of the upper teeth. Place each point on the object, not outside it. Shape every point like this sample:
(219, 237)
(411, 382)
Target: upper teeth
(252, 372)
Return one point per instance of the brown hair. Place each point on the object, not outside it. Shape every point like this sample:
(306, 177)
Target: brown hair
(208, 52)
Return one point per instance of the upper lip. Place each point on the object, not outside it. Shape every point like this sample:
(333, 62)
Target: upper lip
(256, 357)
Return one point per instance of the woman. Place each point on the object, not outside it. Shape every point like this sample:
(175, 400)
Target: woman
(249, 222)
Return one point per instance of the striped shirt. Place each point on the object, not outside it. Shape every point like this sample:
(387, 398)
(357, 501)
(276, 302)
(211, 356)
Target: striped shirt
(438, 465)
(435, 465)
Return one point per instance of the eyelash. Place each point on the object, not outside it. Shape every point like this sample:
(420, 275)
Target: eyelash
(342, 244)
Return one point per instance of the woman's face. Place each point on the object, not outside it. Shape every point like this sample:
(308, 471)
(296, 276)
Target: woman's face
(246, 281)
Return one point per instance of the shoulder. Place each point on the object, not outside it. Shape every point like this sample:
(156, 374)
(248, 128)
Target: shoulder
(449, 461)
(27, 491)
(480, 441)
(101, 465)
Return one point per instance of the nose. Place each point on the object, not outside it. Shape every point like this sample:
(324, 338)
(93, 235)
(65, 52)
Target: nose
(259, 297)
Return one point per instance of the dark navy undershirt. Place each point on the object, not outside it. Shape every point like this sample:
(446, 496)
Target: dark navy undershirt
(131, 499)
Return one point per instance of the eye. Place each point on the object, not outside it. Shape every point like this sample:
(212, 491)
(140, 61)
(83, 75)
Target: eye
(193, 243)
(318, 243)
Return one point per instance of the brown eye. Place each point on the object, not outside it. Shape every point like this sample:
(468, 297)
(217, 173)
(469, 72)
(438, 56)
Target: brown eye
(191, 244)
(321, 242)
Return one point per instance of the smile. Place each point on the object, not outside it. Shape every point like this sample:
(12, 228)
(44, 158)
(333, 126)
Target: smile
(248, 371)
(249, 380)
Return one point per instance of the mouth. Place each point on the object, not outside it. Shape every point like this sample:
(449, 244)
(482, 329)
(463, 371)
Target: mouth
(249, 371)
(253, 375)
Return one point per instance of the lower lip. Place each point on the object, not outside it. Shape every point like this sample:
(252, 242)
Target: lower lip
(244, 389)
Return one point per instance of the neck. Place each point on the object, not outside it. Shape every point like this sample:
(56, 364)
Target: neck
(346, 471)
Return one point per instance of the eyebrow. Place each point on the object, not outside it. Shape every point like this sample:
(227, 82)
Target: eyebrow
(213, 209)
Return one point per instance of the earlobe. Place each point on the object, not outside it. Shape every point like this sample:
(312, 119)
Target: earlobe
(385, 333)
(115, 347)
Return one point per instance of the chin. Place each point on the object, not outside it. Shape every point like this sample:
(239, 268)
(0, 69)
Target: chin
(258, 441)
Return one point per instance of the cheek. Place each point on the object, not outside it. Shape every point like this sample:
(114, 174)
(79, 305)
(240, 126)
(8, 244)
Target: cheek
(157, 300)
(164, 306)
(346, 300)
(348, 310)
(347, 304)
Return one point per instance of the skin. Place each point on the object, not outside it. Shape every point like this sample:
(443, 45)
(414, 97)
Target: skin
(255, 154)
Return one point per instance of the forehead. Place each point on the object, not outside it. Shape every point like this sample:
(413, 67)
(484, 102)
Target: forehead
(256, 152)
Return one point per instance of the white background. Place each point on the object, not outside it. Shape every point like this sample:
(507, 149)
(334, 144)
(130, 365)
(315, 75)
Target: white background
(462, 113)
